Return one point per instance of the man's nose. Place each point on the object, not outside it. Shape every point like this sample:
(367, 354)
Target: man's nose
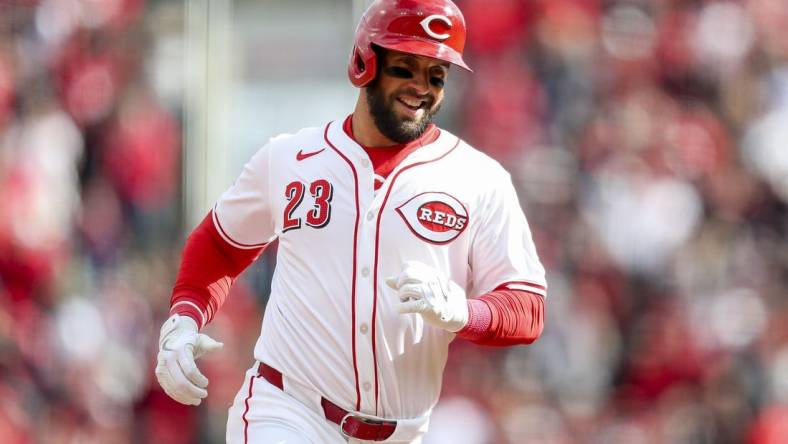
(421, 84)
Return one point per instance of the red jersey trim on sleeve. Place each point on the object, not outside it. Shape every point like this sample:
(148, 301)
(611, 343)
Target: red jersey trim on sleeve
(524, 286)
(227, 238)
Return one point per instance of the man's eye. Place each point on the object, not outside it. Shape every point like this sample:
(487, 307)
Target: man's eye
(436, 81)
(396, 71)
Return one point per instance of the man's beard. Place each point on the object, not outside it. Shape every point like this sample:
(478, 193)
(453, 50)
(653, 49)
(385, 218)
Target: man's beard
(397, 129)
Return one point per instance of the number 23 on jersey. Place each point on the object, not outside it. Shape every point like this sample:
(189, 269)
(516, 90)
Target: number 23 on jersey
(319, 216)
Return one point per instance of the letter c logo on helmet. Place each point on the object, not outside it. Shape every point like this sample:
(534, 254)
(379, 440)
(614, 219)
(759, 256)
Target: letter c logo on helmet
(419, 27)
(426, 25)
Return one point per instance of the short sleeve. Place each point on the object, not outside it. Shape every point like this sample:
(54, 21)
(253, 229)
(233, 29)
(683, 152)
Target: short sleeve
(242, 214)
(502, 250)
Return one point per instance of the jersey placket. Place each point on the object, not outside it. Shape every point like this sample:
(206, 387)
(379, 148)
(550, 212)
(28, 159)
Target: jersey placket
(371, 204)
(365, 284)
(362, 298)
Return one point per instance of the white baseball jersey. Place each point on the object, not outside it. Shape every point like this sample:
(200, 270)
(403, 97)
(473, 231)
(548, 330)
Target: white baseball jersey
(331, 322)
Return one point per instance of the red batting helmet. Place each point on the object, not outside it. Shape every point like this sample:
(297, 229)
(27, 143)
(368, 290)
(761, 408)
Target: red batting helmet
(431, 28)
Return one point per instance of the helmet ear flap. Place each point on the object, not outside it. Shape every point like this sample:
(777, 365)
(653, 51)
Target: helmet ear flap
(358, 61)
(371, 67)
(363, 67)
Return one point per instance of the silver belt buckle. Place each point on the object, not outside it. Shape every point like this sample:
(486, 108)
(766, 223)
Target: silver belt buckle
(342, 425)
(359, 418)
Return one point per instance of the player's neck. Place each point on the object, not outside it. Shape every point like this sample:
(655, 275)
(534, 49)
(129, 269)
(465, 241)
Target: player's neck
(365, 131)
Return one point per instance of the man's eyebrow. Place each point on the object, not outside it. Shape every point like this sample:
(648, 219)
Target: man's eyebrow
(405, 58)
(410, 60)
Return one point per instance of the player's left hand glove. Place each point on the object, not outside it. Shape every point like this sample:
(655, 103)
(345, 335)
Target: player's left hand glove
(179, 345)
(423, 290)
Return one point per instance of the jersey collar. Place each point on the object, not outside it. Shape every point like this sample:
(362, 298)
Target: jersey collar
(336, 135)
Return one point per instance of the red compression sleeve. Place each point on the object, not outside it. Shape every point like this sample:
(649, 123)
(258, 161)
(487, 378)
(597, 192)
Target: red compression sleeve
(208, 269)
(504, 317)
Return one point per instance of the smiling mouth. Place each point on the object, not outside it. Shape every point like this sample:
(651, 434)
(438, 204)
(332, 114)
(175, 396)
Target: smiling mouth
(412, 104)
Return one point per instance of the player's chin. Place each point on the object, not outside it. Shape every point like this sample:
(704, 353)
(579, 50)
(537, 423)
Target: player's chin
(414, 128)
(408, 122)
(409, 128)
(419, 118)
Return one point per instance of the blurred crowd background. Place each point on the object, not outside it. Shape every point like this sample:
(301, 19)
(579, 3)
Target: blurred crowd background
(648, 140)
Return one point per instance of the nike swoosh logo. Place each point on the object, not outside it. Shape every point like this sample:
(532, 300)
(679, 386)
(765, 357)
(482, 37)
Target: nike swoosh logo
(301, 155)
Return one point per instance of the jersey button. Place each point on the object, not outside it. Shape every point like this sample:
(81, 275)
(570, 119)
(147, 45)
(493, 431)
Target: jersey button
(365, 162)
(365, 271)
(364, 328)
(370, 215)
(367, 386)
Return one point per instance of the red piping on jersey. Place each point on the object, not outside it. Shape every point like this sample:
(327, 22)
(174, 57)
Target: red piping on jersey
(528, 283)
(246, 402)
(229, 238)
(375, 269)
(353, 285)
(541, 289)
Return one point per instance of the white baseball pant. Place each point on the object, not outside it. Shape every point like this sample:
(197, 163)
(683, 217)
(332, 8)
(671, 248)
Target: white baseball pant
(263, 414)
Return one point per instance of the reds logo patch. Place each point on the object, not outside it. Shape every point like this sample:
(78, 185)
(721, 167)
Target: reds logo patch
(435, 217)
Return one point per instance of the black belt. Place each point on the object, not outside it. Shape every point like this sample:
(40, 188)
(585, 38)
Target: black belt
(351, 425)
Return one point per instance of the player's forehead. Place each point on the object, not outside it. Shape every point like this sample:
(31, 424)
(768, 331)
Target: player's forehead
(414, 60)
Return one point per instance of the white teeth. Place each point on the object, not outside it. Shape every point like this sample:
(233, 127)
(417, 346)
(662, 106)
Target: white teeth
(411, 102)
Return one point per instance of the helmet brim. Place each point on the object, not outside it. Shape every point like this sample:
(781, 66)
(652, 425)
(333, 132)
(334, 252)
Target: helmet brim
(423, 47)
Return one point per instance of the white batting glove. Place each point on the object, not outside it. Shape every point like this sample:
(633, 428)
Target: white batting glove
(179, 345)
(423, 290)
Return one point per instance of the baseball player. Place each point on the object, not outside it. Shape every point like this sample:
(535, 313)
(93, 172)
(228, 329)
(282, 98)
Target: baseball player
(395, 238)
